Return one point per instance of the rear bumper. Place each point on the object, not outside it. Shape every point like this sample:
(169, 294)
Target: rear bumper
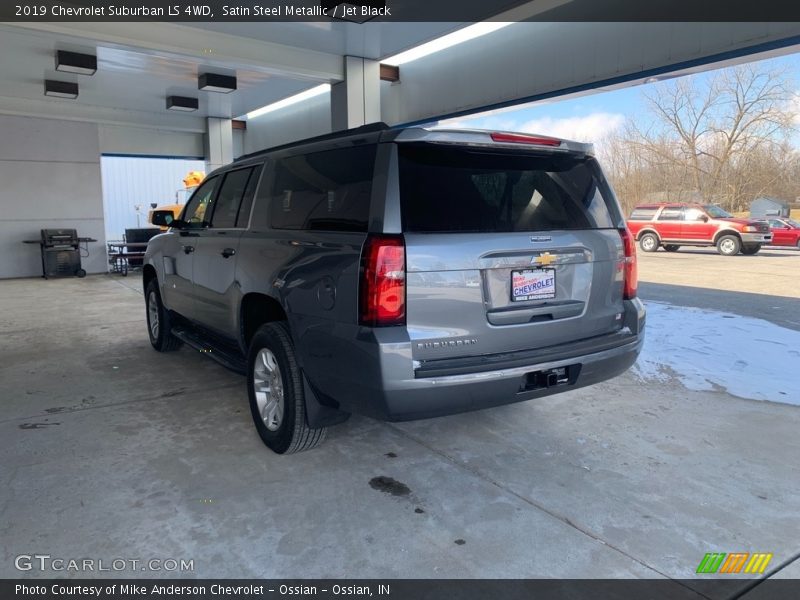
(437, 396)
(391, 391)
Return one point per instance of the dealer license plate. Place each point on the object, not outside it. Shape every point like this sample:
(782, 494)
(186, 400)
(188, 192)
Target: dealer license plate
(533, 284)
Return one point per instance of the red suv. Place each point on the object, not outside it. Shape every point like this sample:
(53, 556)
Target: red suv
(677, 224)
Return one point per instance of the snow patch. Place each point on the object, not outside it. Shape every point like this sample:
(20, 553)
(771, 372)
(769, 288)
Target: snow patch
(704, 350)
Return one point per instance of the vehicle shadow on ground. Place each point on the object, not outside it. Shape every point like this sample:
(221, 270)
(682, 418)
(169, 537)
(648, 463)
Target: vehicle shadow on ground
(773, 252)
(780, 310)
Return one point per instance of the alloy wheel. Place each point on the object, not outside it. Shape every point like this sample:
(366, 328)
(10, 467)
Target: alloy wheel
(268, 387)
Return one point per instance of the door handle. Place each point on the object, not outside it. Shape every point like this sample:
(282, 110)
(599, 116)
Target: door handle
(188, 249)
(228, 252)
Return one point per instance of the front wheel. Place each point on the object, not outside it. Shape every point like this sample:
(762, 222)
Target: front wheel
(648, 242)
(750, 250)
(729, 245)
(671, 248)
(275, 389)
(159, 327)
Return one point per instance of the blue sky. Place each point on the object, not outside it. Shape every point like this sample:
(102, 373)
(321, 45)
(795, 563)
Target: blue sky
(589, 118)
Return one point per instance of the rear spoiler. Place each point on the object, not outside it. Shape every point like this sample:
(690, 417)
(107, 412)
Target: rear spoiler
(488, 139)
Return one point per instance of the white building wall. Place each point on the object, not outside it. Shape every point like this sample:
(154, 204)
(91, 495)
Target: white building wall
(49, 178)
(132, 181)
(148, 141)
(296, 122)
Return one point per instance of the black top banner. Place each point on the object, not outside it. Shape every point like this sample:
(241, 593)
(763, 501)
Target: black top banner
(400, 589)
(364, 11)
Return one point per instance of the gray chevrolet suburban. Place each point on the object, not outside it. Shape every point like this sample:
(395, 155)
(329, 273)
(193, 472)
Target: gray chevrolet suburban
(399, 273)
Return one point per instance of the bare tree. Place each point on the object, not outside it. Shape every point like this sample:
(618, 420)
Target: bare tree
(725, 138)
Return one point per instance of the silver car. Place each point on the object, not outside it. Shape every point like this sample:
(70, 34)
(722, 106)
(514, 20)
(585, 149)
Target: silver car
(399, 273)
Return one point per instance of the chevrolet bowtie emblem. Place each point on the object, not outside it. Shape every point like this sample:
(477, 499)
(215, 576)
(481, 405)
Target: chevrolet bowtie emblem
(543, 259)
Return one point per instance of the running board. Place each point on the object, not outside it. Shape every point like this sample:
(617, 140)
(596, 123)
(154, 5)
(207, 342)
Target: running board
(224, 355)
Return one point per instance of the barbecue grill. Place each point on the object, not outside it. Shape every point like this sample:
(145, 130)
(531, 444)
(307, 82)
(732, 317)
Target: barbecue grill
(61, 252)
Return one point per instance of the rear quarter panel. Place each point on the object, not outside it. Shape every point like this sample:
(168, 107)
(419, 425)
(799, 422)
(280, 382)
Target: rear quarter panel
(314, 276)
(636, 226)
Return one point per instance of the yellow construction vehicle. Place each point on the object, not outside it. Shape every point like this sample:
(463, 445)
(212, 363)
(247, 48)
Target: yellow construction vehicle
(190, 183)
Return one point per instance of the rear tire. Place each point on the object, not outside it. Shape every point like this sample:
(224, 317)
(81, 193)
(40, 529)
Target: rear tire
(671, 248)
(649, 242)
(751, 250)
(159, 327)
(275, 390)
(729, 245)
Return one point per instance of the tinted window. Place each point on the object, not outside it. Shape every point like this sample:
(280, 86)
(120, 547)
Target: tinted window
(226, 207)
(453, 189)
(323, 191)
(671, 213)
(247, 201)
(197, 209)
(717, 212)
(643, 214)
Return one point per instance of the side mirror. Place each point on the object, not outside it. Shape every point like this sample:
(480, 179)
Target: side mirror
(163, 218)
(703, 218)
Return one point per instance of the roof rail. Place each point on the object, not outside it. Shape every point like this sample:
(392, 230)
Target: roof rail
(370, 128)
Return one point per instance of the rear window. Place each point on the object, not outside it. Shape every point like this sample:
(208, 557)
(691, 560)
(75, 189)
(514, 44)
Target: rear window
(455, 189)
(327, 190)
(643, 214)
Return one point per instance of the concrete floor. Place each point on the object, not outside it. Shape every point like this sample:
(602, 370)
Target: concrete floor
(111, 450)
(765, 286)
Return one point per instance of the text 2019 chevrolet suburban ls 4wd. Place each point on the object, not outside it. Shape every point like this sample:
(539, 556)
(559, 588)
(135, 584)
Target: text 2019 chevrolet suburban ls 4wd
(399, 274)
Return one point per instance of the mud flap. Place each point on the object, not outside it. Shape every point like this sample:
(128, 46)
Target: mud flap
(319, 415)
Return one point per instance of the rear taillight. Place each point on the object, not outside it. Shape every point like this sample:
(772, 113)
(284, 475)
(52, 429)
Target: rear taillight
(382, 300)
(631, 275)
(518, 138)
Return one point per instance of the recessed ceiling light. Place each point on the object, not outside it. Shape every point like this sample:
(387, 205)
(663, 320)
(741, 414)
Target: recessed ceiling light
(72, 62)
(60, 89)
(652, 80)
(211, 82)
(182, 103)
(311, 93)
(459, 36)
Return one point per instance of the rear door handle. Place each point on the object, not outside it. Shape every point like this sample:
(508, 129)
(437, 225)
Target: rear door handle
(188, 249)
(228, 252)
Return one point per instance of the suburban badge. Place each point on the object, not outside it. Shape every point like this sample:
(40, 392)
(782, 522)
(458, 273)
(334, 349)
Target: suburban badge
(446, 344)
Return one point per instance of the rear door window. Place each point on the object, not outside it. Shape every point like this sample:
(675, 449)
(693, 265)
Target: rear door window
(671, 213)
(243, 219)
(327, 191)
(229, 200)
(468, 190)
